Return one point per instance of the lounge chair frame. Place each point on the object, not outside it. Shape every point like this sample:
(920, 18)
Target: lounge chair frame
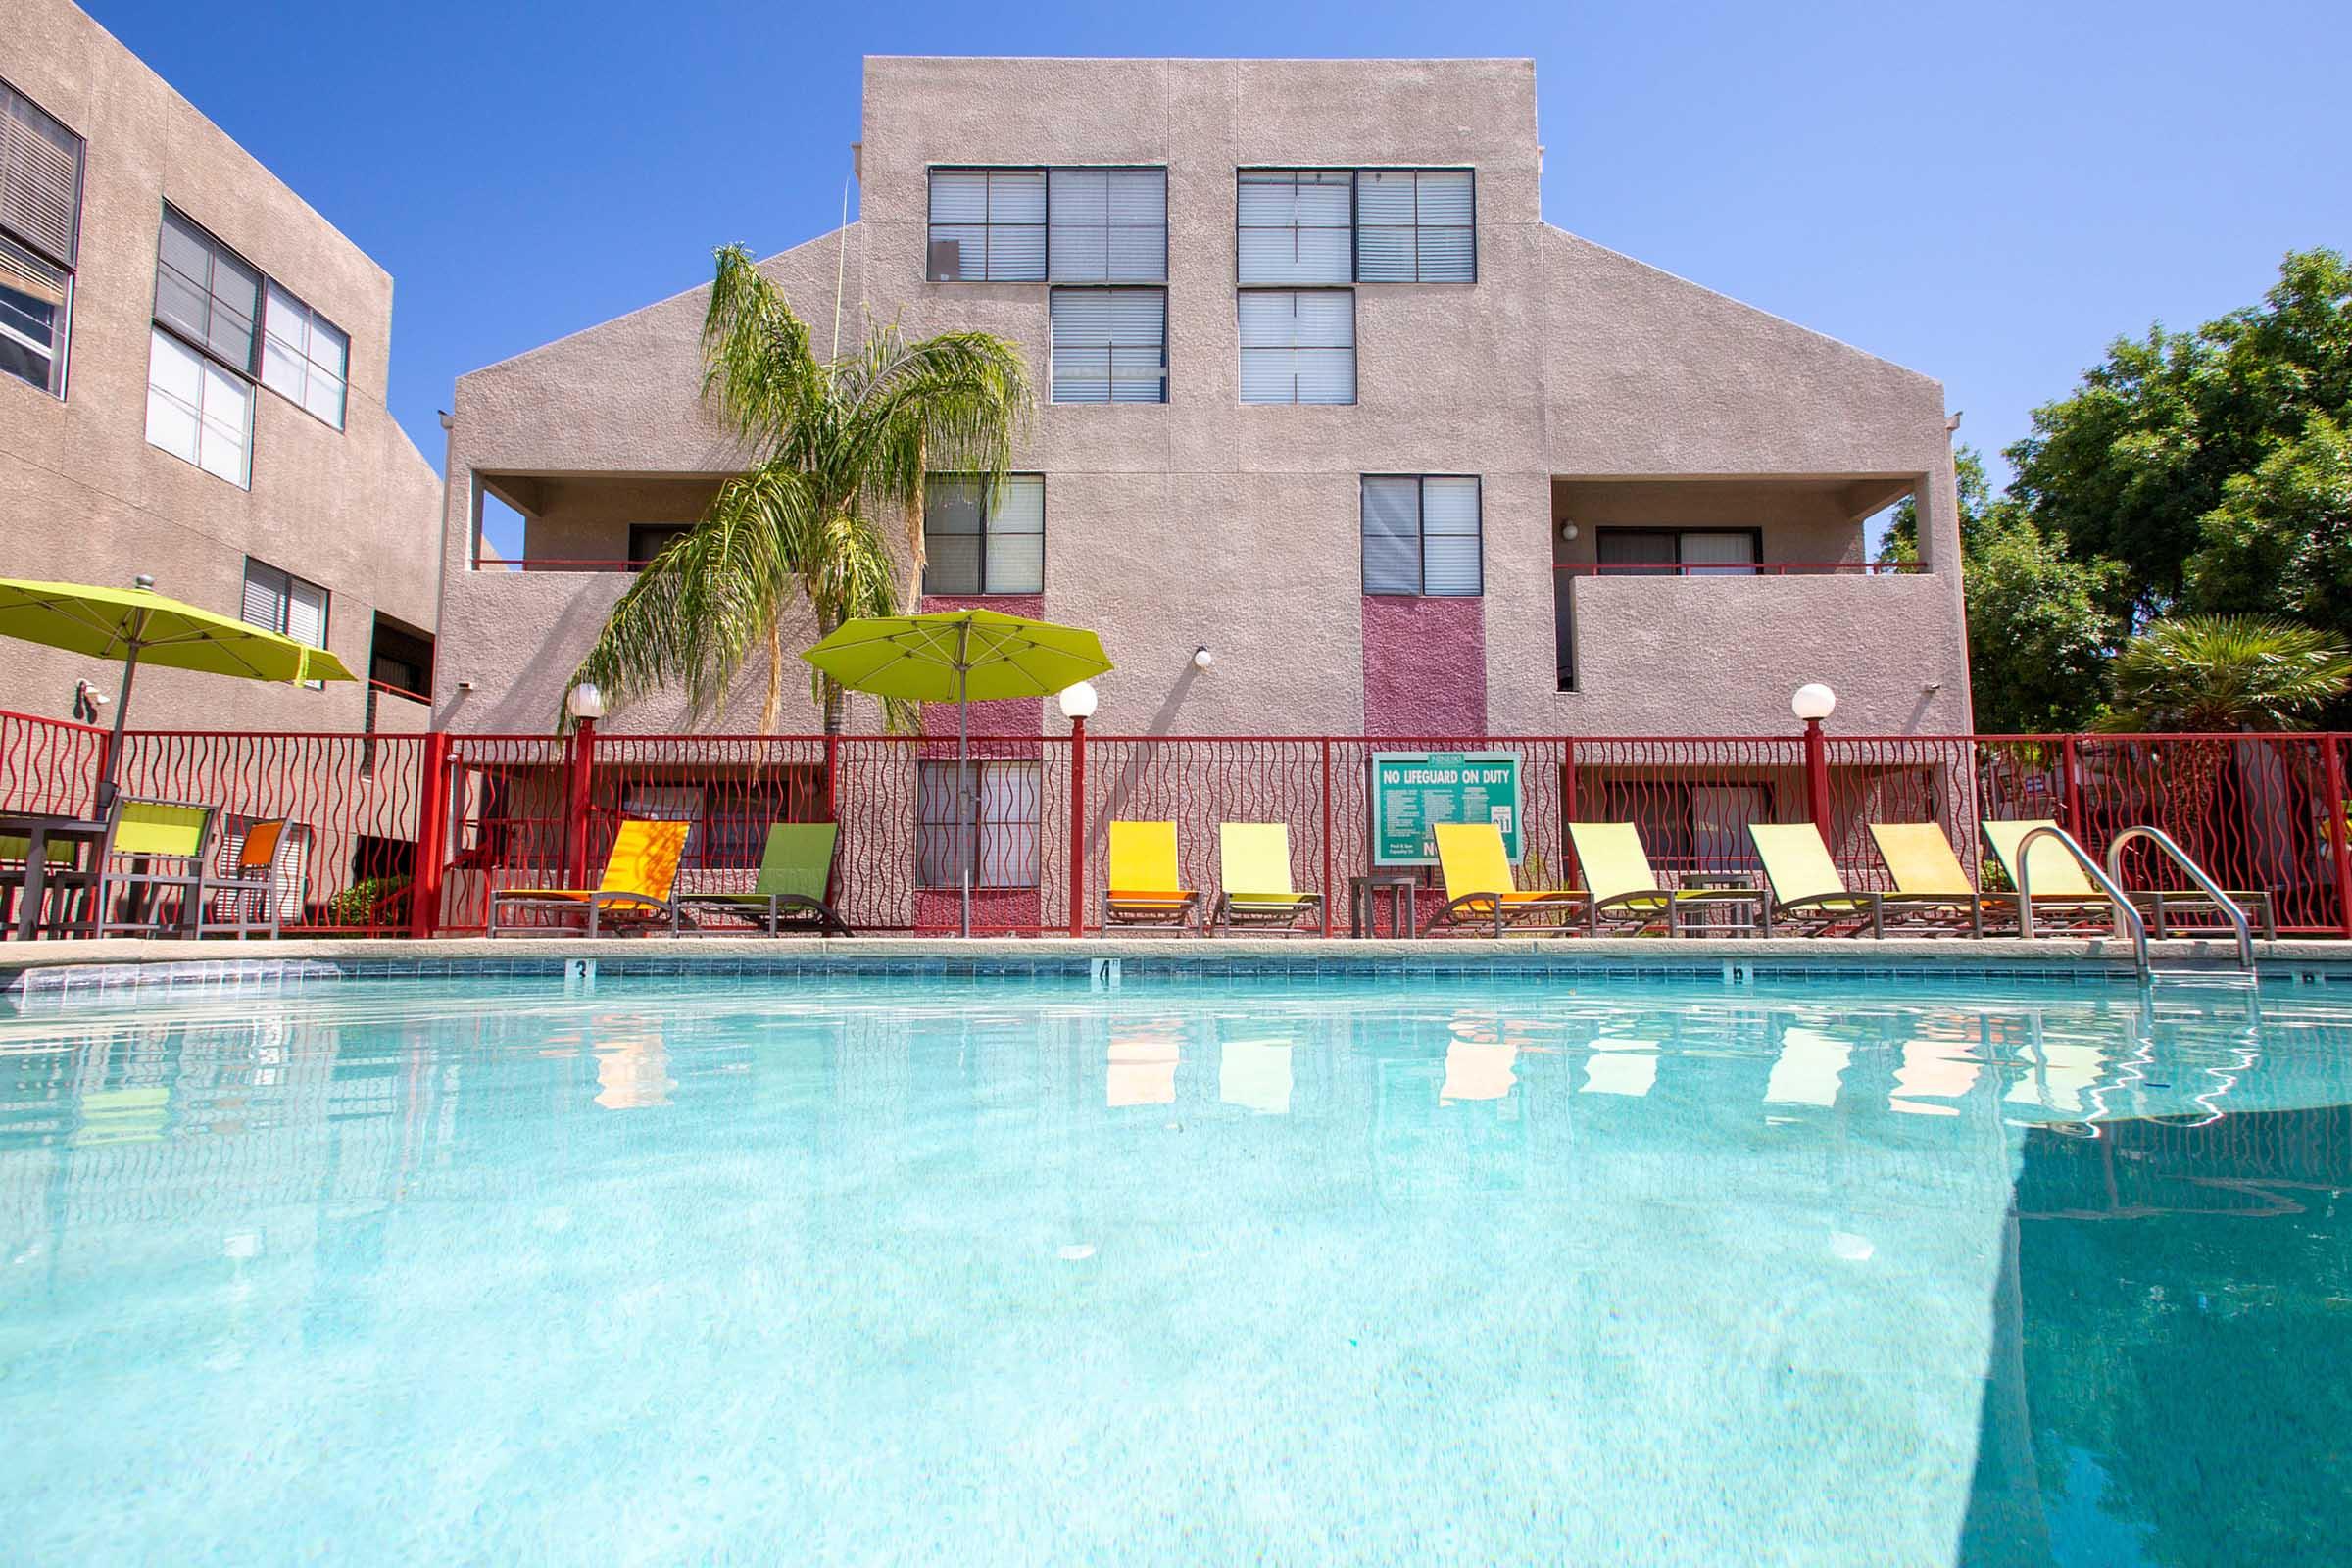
(634, 907)
(771, 910)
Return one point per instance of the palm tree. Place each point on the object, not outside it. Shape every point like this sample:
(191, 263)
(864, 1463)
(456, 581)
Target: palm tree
(837, 448)
(2215, 673)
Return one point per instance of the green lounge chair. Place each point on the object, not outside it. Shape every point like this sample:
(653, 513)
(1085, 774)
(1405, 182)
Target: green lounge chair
(2061, 887)
(163, 841)
(1253, 868)
(1627, 892)
(796, 868)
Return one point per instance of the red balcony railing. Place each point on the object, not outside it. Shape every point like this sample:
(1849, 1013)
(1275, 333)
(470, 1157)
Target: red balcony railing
(560, 564)
(1761, 568)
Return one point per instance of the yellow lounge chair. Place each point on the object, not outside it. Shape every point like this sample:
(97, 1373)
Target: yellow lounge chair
(2060, 885)
(163, 841)
(1480, 889)
(638, 876)
(1626, 891)
(1254, 873)
(1144, 889)
(1929, 879)
(1806, 888)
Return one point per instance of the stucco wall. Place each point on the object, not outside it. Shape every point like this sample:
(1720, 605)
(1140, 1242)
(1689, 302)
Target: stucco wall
(88, 500)
(1206, 521)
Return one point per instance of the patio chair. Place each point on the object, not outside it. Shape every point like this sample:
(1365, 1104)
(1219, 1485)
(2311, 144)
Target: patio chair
(1480, 890)
(2061, 887)
(251, 881)
(1627, 892)
(789, 894)
(634, 891)
(63, 877)
(1145, 892)
(1254, 874)
(163, 841)
(1806, 888)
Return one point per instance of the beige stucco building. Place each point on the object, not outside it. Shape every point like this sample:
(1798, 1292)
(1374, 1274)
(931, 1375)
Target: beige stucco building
(192, 374)
(1321, 390)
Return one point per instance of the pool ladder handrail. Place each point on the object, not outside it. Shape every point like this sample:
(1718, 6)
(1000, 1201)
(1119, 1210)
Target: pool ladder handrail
(2196, 873)
(2127, 917)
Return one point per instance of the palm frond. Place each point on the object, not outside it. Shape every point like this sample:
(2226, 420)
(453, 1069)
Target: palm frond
(759, 365)
(2218, 673)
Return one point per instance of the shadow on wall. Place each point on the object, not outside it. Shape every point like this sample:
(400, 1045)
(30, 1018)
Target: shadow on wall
(1121, 786)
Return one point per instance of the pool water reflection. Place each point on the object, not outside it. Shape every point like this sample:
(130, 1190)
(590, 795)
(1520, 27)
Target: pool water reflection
(1475, 1273)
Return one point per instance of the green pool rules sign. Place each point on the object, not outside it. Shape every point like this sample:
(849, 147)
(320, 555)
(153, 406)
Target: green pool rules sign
(1411, 791)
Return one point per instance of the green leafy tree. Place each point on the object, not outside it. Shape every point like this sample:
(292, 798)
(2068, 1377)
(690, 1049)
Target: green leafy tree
(838, 451)
(2038, 628)
(2132, 464)
(2219, 673)
(2282, 538)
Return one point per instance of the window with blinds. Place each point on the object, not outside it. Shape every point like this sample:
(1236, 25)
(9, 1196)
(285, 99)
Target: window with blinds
(1003, 825)
(40, 178)
(1360, 225)
(197, 411)
(988, 225)
(40, 229)
(304, 357)
(1678, 552)
(1422, 535)
(280, 601)
(1107, 225)
(206, 292)
(1110, 345)
(979, 541)
(1297, 345)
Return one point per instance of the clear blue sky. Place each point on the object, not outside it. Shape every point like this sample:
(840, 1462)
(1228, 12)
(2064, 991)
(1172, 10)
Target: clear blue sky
(1987, 193)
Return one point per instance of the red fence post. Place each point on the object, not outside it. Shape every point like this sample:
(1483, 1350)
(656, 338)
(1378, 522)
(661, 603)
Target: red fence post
(432, 838)
(1327, 890)
(2072, 760)
(576, 816)
(1077, 827)
(1817, 778)
(1567, 810)
(2330, 751)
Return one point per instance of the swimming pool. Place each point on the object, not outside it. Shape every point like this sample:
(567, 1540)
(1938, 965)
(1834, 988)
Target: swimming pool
(1486, 1272)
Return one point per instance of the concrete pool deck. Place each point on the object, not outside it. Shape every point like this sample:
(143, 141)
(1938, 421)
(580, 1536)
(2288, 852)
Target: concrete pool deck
(111, 967)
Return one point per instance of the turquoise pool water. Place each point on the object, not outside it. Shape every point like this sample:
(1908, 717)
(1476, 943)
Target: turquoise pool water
(759, 1272)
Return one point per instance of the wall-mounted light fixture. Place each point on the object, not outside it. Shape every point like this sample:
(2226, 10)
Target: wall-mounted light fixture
(1202, 658)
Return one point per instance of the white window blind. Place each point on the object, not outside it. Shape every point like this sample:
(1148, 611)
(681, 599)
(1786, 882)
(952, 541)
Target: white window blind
(40, 178)
(1422, 535)
(304, 357)
(197, 411)
(1298, 346)
(206, 292)
(280, 601)
(1110, 345)
(988, 225)
(1006, 800)
(984, 545)
(1414, 225)
(35, 297)
(1295, 225)
(1718, 555)
(1107, 225)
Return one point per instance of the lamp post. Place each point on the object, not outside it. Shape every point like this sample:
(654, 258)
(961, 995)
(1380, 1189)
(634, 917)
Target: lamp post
(1078, 705)
(586, 705)
(1813, 703)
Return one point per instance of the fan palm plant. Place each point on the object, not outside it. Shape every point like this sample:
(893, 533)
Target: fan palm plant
(2219, 673)
(837, 452)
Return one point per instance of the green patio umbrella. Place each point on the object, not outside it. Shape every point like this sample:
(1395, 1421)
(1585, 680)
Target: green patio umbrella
(959, 656)
(140, 627)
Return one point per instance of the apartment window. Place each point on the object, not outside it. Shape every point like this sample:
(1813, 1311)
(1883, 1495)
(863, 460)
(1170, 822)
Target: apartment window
(280, 601)
(1421, 535)
(41, 229)
(1298, 346)
(1110, 345)
(984, 540)
(1414, 225)
(206, 292)
(1363, 226)
(304, 357)
(1004, 818)
(647, 540)
(1296, 226)
(988, 225)
(1678, 552)
(197, 411)
(1107, 225)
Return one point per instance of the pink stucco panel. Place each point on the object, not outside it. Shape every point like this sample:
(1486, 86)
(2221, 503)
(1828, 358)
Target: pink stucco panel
(1425, 666)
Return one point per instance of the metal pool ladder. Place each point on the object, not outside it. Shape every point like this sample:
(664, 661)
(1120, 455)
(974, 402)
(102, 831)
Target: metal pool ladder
(2109, 878)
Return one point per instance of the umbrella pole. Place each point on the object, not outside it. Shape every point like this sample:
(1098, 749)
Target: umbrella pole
(114, 747)
(963, 749)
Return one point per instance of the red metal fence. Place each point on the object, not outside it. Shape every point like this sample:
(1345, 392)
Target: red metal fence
(413, 832)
